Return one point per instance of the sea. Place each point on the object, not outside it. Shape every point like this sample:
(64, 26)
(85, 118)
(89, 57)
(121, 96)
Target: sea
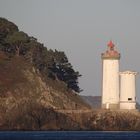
(69, 135)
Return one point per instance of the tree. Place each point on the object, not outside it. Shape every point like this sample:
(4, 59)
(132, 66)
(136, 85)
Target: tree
(17, 42)
(61, 69)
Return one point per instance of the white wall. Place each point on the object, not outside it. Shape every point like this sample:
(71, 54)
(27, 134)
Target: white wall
(127, 90)
(127, 105)
(110, 89)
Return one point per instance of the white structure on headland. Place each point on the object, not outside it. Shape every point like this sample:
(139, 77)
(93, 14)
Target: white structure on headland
(110, 85)
(127, 90)
(117, 93)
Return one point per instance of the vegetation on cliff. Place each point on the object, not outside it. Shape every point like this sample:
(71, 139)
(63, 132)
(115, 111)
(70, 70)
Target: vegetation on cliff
(53, 65)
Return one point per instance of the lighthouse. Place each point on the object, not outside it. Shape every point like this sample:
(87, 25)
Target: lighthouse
(110, 77)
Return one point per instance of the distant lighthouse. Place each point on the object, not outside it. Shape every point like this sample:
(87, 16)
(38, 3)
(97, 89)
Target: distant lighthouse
(110, 81)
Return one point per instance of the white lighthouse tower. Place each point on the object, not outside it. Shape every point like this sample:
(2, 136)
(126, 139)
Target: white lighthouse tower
(127, 90)
(110, 85)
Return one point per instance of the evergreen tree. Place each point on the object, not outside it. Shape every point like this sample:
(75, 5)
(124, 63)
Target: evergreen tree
(63, 70)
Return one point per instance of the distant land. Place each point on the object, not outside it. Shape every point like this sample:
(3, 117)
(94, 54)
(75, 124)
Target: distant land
(93, 101)
(39, 90)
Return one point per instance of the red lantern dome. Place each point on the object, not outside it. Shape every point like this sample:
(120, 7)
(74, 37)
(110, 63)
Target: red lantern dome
(111, 53)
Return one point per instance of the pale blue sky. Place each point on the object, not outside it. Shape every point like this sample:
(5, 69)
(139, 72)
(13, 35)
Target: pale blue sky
(82, 29)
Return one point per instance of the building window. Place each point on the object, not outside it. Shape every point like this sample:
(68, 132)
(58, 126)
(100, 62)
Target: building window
(129, 99)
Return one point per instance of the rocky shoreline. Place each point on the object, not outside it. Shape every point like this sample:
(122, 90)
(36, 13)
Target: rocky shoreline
(77, 120)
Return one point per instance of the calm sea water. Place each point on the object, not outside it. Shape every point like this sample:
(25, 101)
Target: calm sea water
(68, 135)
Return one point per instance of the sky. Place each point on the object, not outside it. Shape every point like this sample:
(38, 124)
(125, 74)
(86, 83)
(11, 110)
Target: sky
(82, 29)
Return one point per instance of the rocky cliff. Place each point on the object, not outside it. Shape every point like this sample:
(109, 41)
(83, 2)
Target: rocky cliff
(33, 80)
(25, 97)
